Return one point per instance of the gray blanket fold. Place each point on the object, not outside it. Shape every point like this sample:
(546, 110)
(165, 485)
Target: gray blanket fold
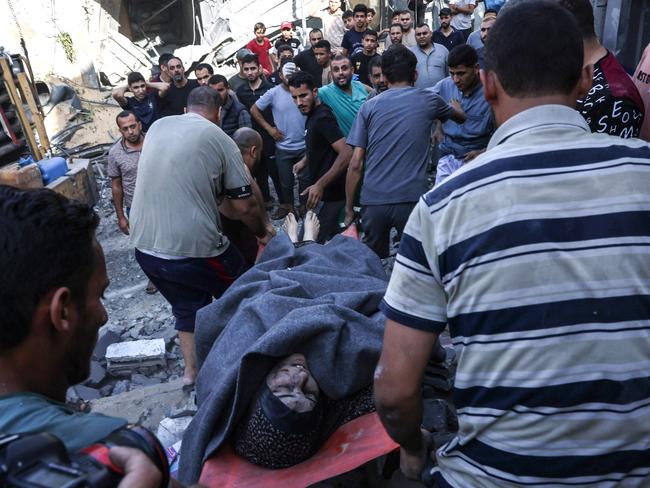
(321, 301)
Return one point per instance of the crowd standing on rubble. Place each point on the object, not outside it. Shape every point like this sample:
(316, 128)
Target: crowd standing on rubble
(507, 165)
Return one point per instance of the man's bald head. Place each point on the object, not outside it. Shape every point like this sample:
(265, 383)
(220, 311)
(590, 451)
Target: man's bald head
(250, 145)
(206, 102)
(246, 138)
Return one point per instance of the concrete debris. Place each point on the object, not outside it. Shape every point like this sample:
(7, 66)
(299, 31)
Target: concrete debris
(185, 407)
(138, 379)
(121, 387)
(170, 431)
(86, 393)
(106, 338)
(97, 374)
(124, 357)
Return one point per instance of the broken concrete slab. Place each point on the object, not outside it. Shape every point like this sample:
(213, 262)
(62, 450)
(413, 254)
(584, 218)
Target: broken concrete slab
(86, 393)
(125, 357)
(170, 431)
(154, 400)
(138, 379)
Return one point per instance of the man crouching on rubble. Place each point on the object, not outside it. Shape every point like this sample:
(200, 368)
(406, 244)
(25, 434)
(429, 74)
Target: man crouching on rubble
(53, 279)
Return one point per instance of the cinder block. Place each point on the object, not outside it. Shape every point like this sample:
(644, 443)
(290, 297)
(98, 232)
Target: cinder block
(124, 357)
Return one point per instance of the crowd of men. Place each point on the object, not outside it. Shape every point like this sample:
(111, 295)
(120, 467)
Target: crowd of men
(531, 247)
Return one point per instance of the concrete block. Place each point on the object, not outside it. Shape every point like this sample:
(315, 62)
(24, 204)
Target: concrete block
(185, 407)
(170, 431)
(106, 338)
(86, 393)
(124, 357)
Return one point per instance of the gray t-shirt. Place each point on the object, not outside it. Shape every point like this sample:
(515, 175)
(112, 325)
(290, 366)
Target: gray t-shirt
(287, 117)
(123, 163)
(432, 66)
(187, 166)
(395, 129)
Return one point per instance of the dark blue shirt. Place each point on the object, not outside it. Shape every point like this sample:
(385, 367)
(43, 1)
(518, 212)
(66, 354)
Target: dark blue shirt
(146, 110)
(452, 40)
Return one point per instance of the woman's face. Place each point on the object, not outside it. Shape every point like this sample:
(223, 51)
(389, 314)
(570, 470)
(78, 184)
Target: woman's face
(293, 384)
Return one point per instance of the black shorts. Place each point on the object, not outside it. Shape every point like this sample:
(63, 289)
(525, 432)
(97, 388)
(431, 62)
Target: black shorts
(189, 284)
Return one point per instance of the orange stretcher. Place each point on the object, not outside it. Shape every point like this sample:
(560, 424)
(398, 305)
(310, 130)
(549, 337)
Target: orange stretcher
(352, 445)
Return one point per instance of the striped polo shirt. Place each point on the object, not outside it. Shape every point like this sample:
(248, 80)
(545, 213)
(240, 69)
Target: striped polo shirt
(537, 257)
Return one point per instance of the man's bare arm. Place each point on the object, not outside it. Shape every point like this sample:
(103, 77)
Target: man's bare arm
(315, 191)
(118, 198)
(161, 86)
(118, 94)
(256, 113)
(250, 214)
(352, 182)
(398, 391)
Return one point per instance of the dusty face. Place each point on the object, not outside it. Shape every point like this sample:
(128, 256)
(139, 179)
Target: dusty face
(251, 71)
(377, 79)
(130, 128)
(291, 381)
(395, 34)
(342, 73)
(86, 317)
(445, 20)
(139, 90)
(323, 56)
(304, 98)
(464, 77)
(423, 36)
(202, 76)
(369, 44)
(176, 70)
(486, 25)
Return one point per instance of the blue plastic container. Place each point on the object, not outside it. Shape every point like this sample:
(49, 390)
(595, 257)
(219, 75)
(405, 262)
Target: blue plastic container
(52, 168)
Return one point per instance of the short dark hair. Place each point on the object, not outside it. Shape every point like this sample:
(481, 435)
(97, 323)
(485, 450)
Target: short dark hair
(258, 26)
(398, 64)
(285, 47)
(164, 58)
(323, 44)
(397, 24)
(204, 96)
(174, 57)
(250, 58)
(396, 13)
(47, 242)
(300, 78)
(347, 14)
(374, 62)
(535, 48)
(123, 115)
(360, 7)
(214, 79)
(583, 12)
(370, 32)
(315, 29)
(462, 54)
(422, 24)
(372, 11)
(204, 66)
(133, 77)
(488, 11)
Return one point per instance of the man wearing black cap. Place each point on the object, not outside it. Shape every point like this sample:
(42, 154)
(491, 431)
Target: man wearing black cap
(446, 34)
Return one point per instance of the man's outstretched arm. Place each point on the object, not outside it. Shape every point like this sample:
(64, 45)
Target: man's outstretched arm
(398, 391)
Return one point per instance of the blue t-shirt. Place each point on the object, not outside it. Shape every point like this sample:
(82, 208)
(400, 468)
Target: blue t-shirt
(32, 413)
(146, 110)
(287, 117)
(476, 131)
(395, 129)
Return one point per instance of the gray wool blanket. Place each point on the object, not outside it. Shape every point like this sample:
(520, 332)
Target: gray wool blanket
(321, 301)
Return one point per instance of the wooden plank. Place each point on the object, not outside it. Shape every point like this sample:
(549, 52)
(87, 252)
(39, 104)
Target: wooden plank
(37, 116)
(18, 104)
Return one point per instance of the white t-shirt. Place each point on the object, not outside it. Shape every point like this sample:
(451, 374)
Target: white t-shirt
(462, 21)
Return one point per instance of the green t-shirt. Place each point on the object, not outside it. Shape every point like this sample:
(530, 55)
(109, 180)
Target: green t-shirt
(32, 413)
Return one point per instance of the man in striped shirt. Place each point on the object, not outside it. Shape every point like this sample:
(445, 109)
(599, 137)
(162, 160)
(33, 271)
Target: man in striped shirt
(537, 256)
